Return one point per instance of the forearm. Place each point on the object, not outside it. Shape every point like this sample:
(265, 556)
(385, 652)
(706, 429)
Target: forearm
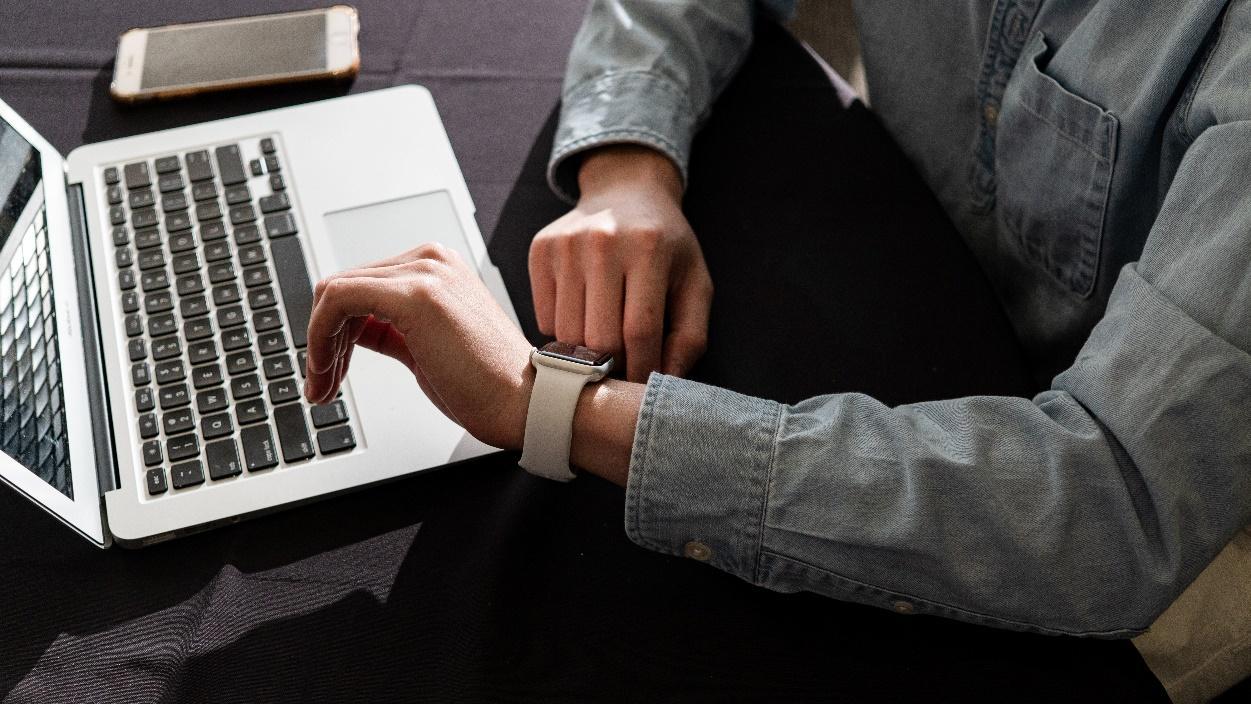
(603, 429)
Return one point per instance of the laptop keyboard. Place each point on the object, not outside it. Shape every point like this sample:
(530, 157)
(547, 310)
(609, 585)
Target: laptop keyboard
(216, 295)
(32, 400)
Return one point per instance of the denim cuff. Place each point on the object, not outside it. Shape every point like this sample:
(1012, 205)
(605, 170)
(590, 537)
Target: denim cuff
(626, 107)
(699, 473)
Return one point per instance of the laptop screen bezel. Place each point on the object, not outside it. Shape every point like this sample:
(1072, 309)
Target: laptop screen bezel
(84, 512)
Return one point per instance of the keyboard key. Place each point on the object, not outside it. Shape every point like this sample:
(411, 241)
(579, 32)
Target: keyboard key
(170, 371)
(140, 199)
(277, 366)
(137, 349)
(206, 376)
(204, 191)
(148, 427)
(240, 362)
(134, 325)
(173, 202)
(154, 280)
(110, 175)
(176, 222)
(187, 474)
(266, 320)
(148, 238)
(163, 324)
(209, 210)
(226, 294)
(280, 225)
(283, 390)
(245, 387)
(202, 351)
(302, 358)
(144, 399)
(227, 317)
(150, 259)
(221, 271)
(275, 203)
(114, 195)
(144, 217)
(247, 234)
(193, 306)
(211, 401)
(297, 292)
(166, 347)
(126, 279)
(271, 342)
(140, 374)
(252, 254)
(182, 242)
(152, 453)
(329, 414)
(215, 426)
(272, 164)
(236, 338)
(170, 182)
(238, 194)
(158, 302)
(130, 302)
(117, 215)
(256, 167)
(251, 411)
(175, 397)
(189, 284)
(267, 145)
(211, 231)
(199, 166)
(167, 164)
(155, 481)
(216, 251)
(122, 257)
(258, 447)
(121, 236)
(179, 421)
(242, 214)
(186, 262)
(197, 329)
(261, 298)
(332, 440)
(223, 459)
(137, 175)
(276, 183)
(256, 276)
(293, 433)
(230, 164)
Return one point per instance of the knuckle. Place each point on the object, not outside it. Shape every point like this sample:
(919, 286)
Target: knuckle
(433, 250)
(637, 334)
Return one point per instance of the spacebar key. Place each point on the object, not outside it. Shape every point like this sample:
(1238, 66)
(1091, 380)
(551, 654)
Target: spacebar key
(297, 292)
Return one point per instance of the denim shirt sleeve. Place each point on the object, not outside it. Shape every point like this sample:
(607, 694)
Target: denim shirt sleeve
(1085, 510)
(646, 72)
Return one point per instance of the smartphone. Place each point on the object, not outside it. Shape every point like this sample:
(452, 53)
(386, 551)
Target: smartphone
(186, 59)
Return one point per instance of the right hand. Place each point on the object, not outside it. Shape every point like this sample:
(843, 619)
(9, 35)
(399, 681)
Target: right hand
(609, 272)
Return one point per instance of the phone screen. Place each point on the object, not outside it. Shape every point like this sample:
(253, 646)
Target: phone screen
(234, 50)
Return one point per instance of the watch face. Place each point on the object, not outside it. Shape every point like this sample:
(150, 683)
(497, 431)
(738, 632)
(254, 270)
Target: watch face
(576, 353)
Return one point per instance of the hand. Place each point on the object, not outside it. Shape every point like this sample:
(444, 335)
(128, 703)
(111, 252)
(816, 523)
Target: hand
(429, 310)
(607, 273)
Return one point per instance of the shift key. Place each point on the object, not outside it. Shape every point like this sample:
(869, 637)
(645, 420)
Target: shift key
(293, 433)
(297, 292)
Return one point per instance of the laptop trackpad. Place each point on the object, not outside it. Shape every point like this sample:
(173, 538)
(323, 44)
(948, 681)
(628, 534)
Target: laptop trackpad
(369, 233)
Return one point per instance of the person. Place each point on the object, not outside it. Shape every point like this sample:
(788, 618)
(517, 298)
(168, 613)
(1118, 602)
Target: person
(1095, 164)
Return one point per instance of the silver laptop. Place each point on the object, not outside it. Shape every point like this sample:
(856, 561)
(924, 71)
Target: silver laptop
(154, 300)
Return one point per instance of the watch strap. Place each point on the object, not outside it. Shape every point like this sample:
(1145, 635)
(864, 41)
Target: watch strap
(549, 422)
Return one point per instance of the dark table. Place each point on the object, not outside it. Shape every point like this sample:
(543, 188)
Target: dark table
(481, 582)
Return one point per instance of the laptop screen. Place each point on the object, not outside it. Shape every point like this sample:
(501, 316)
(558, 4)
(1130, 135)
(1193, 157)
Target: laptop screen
(32, 414)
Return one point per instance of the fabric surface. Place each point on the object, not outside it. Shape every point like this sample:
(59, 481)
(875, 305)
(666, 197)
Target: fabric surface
(480, 582)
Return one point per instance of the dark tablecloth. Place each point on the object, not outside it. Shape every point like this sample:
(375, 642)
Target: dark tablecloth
(481, 582)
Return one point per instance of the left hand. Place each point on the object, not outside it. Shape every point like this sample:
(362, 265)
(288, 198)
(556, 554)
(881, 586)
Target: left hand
(427, 309)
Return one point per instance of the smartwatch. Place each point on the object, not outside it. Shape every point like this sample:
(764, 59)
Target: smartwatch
(561, 370)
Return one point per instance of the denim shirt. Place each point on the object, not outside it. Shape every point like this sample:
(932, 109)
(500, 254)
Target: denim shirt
(1096, 157)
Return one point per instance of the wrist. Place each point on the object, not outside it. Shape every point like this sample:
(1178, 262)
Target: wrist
(629, 166)
(603, 429)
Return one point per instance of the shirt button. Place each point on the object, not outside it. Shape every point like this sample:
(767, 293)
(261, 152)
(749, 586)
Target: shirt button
(697, 551)
(903, 607)
(991, 113)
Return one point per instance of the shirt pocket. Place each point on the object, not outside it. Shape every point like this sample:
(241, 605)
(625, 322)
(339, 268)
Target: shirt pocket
(1054, 156)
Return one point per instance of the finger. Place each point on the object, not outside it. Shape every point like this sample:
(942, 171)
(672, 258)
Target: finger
(543, 286)
(643, 319)
(343, 299)
(689, 307)
(605, 293)
(570, 306)
(382, 337)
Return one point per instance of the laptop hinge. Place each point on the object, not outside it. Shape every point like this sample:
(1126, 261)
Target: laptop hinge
(97, 390)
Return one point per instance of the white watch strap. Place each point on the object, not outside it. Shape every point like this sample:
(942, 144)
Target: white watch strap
(549, 422)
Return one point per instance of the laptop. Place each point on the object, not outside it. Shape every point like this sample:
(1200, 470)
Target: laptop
(154, 301)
